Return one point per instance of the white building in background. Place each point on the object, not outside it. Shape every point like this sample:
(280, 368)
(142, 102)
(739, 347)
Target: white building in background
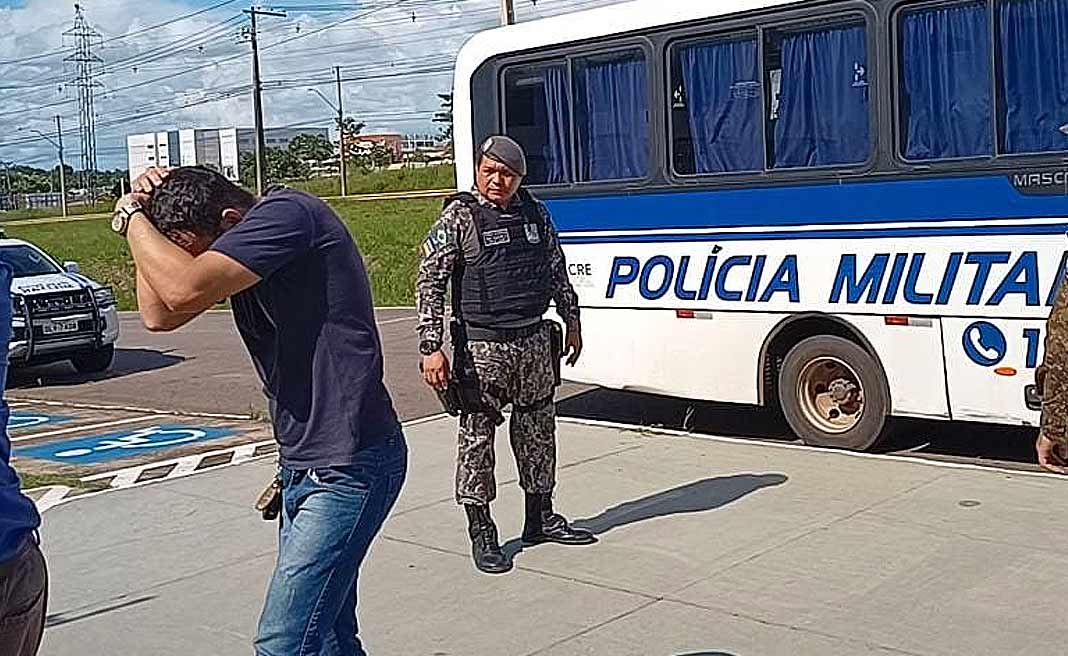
(219, 148)
(419, 144)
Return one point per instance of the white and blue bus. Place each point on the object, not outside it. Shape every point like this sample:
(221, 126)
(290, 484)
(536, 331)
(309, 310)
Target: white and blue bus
(852, 210)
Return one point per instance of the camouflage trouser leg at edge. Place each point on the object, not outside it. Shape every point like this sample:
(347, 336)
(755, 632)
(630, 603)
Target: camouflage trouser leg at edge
(475, 482)
(518, 372)
(1054, 371)
(533, 435)
(489, 364)
(533, 426)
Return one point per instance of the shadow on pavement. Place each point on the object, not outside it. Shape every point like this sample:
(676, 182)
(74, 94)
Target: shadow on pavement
(974, 442)
(59, 619)
(699, 496)
(62, 374)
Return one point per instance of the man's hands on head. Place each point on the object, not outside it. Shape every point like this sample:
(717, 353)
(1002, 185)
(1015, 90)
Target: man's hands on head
(143, 187)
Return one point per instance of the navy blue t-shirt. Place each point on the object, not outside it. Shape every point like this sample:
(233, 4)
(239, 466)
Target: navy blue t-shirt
(309, 326)
(18, 515)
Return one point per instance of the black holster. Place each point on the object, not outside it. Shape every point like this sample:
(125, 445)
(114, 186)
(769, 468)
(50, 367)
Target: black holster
(556, 341)
(463, 395)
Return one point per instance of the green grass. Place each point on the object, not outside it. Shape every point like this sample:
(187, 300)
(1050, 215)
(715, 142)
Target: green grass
(73, 210)
(31, 481)
(388, 233)
(431, 177)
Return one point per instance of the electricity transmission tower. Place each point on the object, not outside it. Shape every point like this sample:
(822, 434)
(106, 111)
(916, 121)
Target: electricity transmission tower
(83, 38)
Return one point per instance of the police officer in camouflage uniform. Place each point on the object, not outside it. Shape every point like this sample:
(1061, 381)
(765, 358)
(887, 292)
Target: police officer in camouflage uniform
(1051, 379)
(499, 249)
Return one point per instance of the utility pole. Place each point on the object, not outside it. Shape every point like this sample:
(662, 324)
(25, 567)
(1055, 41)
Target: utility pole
(507, 13)
(62, 166)
(257, 90)
(341, 135)
(7, 177)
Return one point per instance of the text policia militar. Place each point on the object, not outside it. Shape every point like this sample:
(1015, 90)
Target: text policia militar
(972, 278)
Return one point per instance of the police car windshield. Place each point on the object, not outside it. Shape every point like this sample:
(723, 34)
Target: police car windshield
(27, 261)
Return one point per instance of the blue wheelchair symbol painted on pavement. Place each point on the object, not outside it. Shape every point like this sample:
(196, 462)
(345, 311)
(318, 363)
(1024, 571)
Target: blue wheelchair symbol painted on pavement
(984, 343)
(101, 448)
(25, 420)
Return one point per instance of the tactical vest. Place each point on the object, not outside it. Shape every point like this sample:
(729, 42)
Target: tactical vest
(507, 282)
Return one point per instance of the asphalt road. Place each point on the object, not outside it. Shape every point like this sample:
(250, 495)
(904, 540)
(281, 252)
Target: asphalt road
(204, 368)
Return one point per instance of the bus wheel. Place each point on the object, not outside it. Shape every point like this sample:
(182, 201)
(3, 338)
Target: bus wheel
(833, 393)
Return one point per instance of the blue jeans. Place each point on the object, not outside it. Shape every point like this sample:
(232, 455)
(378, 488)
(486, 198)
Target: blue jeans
(329, 517)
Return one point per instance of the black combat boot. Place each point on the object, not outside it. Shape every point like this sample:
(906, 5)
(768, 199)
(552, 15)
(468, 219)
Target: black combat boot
(484, 547)
(543, 525)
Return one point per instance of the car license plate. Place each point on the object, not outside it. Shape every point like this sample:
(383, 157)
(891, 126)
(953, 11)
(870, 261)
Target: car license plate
(60, 327)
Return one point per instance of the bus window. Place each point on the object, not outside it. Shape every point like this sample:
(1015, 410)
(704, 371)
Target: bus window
(716, 107)
(820, 115)
(945, 82)
(1033, 75)
(611, 116)
(537, 115)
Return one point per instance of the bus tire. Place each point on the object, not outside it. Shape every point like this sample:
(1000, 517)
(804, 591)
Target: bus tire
(834, 394)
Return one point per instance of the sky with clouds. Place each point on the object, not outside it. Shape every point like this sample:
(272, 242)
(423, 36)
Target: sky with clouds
(169, 64)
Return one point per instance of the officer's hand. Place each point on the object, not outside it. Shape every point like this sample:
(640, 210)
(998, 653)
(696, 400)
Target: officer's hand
(436, 370)
(1051, 455)
(573, 347)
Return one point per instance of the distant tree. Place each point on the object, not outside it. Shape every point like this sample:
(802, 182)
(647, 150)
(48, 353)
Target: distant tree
(352, 128)
(281, 165)
(311, 148)
(444, 116)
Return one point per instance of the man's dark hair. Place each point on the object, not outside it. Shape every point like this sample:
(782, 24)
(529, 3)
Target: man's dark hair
(192, 199)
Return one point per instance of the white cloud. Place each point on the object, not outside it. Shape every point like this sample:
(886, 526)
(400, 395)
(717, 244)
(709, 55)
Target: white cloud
(384, 43)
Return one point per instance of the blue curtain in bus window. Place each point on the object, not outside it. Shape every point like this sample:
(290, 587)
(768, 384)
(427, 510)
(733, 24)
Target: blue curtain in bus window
(1034, 75)
(723, 102)
(945, 65)
(613, 126)
(557, 151)
(823, 110)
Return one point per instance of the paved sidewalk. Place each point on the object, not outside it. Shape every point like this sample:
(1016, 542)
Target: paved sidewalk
(707, 547)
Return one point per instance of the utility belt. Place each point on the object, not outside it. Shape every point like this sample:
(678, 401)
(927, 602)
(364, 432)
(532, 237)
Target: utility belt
(467, 332)
(464, 392)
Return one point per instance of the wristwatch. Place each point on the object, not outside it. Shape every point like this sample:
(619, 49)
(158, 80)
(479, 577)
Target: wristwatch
(120, 220)
(429, 347)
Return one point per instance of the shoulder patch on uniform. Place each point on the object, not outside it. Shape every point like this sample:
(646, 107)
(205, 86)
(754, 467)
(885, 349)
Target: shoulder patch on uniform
(428, 247)
(533, 234)
(439, 235)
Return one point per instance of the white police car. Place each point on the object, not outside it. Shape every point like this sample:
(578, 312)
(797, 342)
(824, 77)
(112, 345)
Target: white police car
(58, 314)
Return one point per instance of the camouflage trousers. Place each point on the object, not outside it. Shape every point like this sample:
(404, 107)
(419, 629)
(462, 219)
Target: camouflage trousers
(519, 372)
(1052, 375)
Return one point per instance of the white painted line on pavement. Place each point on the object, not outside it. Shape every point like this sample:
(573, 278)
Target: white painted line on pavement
(53, 496)
(184, 466)
(88, 427)
(126, 478)
(802, 447)
(398, 320)
(123, 408)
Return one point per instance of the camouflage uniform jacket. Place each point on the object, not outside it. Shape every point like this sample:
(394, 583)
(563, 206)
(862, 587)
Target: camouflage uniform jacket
(454, 235)
(1052, 376)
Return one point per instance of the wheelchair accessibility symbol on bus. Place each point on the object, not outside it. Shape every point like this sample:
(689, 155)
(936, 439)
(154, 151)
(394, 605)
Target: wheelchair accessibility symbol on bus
(101, 448)
(984, 343)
